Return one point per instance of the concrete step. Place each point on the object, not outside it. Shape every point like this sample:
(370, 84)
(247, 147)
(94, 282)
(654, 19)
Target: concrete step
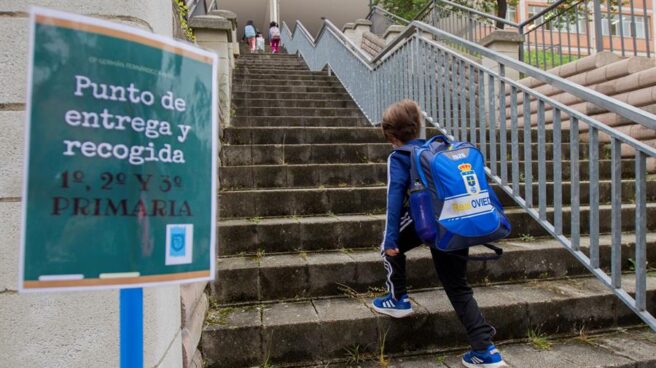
(619, 69)
(283, 332)
(270, 154)
(289, 88)
(301, 75)
(301, 121)
(619, 347)
(269, 61)
(321, 201)
(271, 69)
(293, 233)
(317, 274)
(291, 103)
(267, 56)
(257, 68)
(348, 175)
(283, 83)
(302, 135)
(299, 111)
(582, 65)
(281, 95)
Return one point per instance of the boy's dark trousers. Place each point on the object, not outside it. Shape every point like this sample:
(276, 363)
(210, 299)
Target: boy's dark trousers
(452, 272)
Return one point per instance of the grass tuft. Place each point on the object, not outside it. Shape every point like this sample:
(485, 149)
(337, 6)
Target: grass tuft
(527, 238)
(220, 316)
(354, 355)
(538, 340)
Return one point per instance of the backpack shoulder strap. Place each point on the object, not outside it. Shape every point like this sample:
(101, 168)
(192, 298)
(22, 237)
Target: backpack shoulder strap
(415, 165)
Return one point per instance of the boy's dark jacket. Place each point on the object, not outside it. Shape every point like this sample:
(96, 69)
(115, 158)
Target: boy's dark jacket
(398, 183)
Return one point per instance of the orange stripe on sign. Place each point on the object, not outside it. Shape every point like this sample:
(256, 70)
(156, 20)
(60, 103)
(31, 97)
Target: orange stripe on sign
(65, 23)
(115, 281)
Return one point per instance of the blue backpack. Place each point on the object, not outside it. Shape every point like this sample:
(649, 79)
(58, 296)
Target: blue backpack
(451, 204)
(249, 31)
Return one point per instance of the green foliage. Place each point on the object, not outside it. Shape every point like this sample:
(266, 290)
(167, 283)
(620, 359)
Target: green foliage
(538, 340)
(403, 8)
(183, 11)
(408, 9)
(542, 58)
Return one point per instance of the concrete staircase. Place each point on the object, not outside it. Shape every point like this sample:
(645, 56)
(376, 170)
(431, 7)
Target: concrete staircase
(631, 80)
(301, 216)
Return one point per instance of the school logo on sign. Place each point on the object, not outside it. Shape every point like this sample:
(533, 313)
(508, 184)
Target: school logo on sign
(469, 178)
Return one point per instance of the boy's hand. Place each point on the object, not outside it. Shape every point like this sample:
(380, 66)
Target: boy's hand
(392, 252)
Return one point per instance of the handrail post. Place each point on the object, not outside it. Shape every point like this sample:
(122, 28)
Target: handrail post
(520, 53)
(433, 14)
(598, 36)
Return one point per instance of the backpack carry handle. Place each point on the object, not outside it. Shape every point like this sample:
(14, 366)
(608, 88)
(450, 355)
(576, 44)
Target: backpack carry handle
(442, 138)
(498, 252)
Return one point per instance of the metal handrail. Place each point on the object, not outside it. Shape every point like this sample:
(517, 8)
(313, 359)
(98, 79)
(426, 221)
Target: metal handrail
(467, 100)
(480, 13)
(386, 14)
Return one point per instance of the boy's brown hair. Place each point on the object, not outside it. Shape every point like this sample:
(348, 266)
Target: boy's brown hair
(402, 121)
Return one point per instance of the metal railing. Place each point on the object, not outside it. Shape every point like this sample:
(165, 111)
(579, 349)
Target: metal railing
(381, 19)
(471, 102)
(583, 27)
(561, 32)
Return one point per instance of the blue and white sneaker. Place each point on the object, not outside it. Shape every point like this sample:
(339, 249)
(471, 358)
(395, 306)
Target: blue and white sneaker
(490, 358)
(392, 307)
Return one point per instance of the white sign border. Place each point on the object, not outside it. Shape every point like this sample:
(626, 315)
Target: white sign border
(36, 11)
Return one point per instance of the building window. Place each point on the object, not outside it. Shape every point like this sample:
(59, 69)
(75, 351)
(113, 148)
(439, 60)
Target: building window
(511, 13)
(565, 22)
(613, 29)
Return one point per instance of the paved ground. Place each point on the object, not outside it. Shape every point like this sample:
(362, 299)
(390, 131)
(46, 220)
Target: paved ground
(634, 348)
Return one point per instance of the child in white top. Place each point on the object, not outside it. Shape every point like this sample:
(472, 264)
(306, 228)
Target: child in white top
(259, 41)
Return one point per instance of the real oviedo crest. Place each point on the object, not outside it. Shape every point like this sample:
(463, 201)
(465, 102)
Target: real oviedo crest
(469, 178)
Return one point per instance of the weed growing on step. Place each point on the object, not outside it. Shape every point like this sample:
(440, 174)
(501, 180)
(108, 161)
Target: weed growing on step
(376, 291)
(303, 254)
(538, 340)
(220, 317)
(583, 336)
(441, 359)
(372, 292)
(527, 238)
(383, 361)
(349, 292)
(651, 271)
(354, 355)
(331, 214)
(256, 220)
(346, 251)
(266, 363)
(260, 253)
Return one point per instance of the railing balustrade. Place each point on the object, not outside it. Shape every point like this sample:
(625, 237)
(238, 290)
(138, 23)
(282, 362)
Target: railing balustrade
(471, 102)
(561, 32)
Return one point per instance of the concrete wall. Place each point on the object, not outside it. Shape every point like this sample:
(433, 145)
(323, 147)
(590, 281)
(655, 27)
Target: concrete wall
(308, 11)
(75, 329)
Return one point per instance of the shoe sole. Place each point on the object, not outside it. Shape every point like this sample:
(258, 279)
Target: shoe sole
(396, 313)
(489, 365)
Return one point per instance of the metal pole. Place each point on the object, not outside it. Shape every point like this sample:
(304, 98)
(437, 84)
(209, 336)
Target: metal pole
(131, 328)
(520, 30)
(599, 39)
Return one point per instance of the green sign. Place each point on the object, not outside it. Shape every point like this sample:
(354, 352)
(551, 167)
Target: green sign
(121, 148)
